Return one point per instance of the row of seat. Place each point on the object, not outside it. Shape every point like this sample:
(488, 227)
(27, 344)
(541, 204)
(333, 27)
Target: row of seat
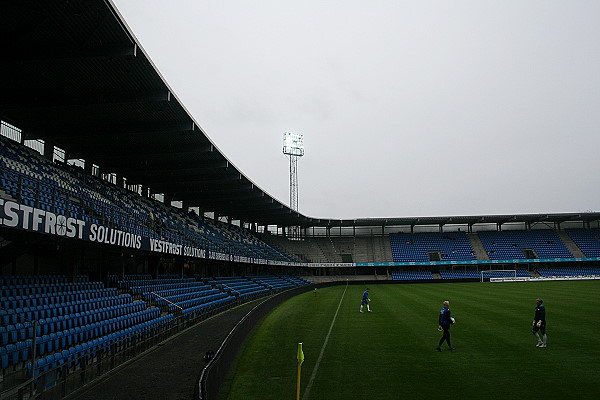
(410, 275)
(47, 299)
(49, 368)
(278, 285)
(151, 296)
(239, 286)
(44, 288)
(12, 280)
(19, 352)
(196, 301)
(272, 282)
(88, 317)
(225, 279)
(568, 271)
(249, 291)
(140, 290)
(61, 339)
(459, 274)
(201, 309)
(13, 315)
(454, 274)
(128, 284)
(179, 298)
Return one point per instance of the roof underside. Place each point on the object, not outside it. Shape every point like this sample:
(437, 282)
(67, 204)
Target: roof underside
(73, 75)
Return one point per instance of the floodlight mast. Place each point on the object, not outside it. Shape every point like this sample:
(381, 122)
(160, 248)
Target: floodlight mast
(293, 147)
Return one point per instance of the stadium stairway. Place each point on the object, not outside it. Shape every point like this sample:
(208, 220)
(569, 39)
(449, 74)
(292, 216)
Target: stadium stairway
(570, 244)
(477, 246)
(382, 249)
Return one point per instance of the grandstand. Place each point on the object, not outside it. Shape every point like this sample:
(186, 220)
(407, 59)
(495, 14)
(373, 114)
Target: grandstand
(586, 240)
(451, 246)
(543, 243)
(121, 223)
(411, 275)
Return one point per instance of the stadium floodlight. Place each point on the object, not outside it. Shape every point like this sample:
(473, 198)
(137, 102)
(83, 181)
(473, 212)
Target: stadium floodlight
(293, 144)
(293, 147)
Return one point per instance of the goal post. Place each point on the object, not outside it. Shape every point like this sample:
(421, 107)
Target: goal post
(498, 273)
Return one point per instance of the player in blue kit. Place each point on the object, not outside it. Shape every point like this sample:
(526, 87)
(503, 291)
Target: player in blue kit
(539, 323)
(365, 301)
(444, 322)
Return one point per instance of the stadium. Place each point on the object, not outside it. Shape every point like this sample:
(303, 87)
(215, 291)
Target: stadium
(139, 262)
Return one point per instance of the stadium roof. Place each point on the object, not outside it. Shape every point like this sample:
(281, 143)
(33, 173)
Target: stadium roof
(74, 75)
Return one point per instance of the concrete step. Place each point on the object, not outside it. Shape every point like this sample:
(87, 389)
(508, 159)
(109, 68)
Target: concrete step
(477, 246)
(570, 244)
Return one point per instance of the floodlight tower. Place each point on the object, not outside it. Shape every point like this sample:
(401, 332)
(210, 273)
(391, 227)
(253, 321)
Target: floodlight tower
(293, 147)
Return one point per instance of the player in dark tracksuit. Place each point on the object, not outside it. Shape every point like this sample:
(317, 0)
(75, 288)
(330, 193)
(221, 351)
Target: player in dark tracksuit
(539, 323)
(365, 301)
(444, 321)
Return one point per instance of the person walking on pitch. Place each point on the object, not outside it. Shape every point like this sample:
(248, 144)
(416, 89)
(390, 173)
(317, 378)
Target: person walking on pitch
(539, 323)
(365, 301)
(444, 322)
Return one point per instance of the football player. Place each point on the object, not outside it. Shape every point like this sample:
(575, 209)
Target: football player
(365, 301)
(444, 322)
(539, 323)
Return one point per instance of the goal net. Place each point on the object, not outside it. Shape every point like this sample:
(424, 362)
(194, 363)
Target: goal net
(487, 275)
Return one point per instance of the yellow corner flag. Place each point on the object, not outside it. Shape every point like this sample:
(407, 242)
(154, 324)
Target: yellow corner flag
(300, 361)
(300, 354)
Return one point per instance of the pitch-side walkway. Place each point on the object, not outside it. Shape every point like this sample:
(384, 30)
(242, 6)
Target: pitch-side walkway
(169, 371)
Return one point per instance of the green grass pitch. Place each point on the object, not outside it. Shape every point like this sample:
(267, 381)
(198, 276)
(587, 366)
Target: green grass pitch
(390, 353)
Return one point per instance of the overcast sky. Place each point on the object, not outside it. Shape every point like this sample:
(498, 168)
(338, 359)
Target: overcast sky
(408, 108)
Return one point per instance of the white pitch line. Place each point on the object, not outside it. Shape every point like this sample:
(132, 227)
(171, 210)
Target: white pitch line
(314, 372)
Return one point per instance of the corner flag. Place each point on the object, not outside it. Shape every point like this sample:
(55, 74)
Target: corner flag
(300, 361)
(300, 354)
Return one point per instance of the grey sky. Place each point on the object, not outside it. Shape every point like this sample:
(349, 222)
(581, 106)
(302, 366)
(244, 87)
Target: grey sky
(408, 108)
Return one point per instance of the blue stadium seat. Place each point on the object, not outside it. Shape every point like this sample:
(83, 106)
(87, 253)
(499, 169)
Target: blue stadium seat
(13, 354)
(3, 357)
(3, 336)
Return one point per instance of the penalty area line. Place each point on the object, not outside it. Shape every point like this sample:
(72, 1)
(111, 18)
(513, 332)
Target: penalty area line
(316, 368)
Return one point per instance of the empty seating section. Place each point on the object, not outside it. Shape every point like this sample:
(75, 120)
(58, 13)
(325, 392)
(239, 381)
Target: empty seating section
(460, 274)
(231, 239)
(193, 298)
(271, 282)
(240, 287)
(411, 275)
(28, 178)
(66, 321)
(451, 246)
(506, 245)
(588, 240)
(296, 280)
(138, 286)
(474, 274)
(550, 272)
